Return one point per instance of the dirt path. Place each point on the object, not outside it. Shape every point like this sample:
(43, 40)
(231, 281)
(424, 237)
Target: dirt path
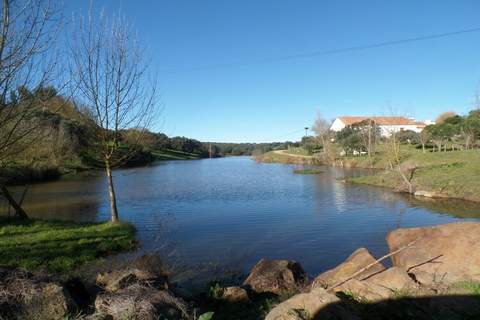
(285, 152)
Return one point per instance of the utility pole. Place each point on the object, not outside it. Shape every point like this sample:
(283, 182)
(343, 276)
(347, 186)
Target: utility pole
(306, 135)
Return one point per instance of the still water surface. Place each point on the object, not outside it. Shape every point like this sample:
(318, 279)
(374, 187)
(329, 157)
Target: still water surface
(235, 211)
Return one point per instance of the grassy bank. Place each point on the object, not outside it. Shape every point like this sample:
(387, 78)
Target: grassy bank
(452, 174)
(307, 171)
(286, 156)
(168, 154)
(60, 246)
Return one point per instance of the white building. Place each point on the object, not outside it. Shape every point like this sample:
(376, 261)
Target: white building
(387, 124)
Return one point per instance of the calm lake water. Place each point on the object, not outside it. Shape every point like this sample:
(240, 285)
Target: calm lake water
(234, 211)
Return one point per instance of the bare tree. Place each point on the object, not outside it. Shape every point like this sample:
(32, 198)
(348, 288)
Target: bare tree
(111, 76)
(405, 170)
(423, 138)
(322, 128)
(28, 30)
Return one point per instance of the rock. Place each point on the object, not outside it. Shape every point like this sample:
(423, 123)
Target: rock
(140, 302)
(316, 303)
(441, 254)
(276, 276)
(119, 279)
(422, 193)
(364, 291)
(235, 295)
(430, 194)
(359, 259)
(28, 298)
(384, 285)
(395, 279)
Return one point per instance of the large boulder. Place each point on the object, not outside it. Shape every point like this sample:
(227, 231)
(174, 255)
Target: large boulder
(276, 277)
(359, 259)
(440, 254)
(316, 303)
(140, 302)
(25, 297)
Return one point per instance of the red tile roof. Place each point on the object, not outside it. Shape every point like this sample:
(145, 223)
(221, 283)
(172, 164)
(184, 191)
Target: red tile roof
(381, 120)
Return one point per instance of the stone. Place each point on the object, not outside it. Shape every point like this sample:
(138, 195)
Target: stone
(395, 279)
(141, 302)
(235, 295)
(120, 279)
(441, 254)
(359, 259)
(28, 298)
(364, 291)
(317, 303)
(276, 277)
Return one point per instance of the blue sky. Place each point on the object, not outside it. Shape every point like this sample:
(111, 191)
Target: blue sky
(258, 102)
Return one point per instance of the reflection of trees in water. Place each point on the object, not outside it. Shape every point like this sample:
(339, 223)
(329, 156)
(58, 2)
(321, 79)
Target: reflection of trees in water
(452, 207)
(75, 200)
(399, 203)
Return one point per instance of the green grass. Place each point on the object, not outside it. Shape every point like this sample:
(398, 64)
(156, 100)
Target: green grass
(298, 151)
(60, 246)
(285, 157)
(470, 286)
(453, 173)
(307, 171)
(167, 154)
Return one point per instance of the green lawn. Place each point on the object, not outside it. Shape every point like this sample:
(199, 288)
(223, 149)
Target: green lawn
(453, 173)
(298, 151)
(167, 154)
(60, 246)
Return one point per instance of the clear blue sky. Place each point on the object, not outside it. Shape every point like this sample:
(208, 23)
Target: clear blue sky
(275, 100)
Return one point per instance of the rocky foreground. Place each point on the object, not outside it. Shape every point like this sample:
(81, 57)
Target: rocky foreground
(435, 274)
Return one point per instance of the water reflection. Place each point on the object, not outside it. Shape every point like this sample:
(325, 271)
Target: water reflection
(236, 211)
(76, 199)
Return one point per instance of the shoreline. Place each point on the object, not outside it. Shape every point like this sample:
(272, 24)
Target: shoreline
(381, 178)
(273, 288)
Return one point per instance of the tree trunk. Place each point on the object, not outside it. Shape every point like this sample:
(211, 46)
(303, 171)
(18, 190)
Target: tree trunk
(111, 192)
(18, 209)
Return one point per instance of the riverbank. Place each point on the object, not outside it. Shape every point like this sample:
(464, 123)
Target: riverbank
(361, 287)
(283, 156)
(432, 174)
(450, 174)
